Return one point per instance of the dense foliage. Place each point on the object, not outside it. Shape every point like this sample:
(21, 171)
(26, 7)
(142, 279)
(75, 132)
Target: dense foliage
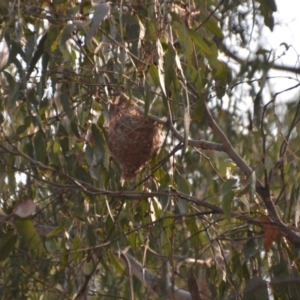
(216, 211)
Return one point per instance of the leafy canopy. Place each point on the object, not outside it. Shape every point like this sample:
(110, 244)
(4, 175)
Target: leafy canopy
(216, 211)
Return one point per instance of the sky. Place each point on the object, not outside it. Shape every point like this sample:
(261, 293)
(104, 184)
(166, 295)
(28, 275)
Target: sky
(287, 26)
(286, 30)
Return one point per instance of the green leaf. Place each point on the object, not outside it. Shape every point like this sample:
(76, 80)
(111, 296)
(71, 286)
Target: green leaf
(154, 74)
(212, 25)
(134, 29)
(199, 41)
(56, 147)
(64, 261)
(91, 237)
(50, 44)
(147, 99)
(98, 137)
(213, 55)
(250, 249)
(228, 185)
(64, 100)
(63, 134)
(76, 247)
(293, 199)
(165, 243)
(21, 129)
(185, 40)
(226, 204)
(257, 111)
(269, 5)
(222, 73)
(101, 11)
(66, 33)
(115, 262)
(28, 233)
(182, 184)
(194, 77)
(37, 54)
(193, 228)
(169, 66)
(7, 244)
(58, 230)
(157, 209)
(268, 163)
(168, 222)
(244, 200)
(199, 109)
(256, 288)
(132, 239)
(40, 143)
(237, 268)
(267, 8)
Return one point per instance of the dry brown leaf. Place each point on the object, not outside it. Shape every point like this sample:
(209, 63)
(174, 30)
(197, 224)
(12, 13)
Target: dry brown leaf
(271, 231)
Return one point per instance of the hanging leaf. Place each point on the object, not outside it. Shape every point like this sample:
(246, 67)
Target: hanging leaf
(182, 183)
(58, 231)
(297, 212)
(229, 185)
(267, 7)
(226, 204)
(67, 32)
(194, 231)
(37, 54)
(169, 66)
(100, 12)
(39, 143)
(28, 233)
(256, 288)
(212, 25)
(257, 110)
(199, 41)
(116, 263)
(147, 92)
(154, 75)
(7, 244)
(51, 41)
(65, 102)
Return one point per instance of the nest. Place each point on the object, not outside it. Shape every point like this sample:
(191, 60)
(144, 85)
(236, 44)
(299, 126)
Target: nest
(132, 138)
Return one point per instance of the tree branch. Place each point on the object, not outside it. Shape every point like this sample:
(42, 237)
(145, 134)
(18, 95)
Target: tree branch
(149, 279)
(241, 61)
(261, 190)
(202, 144)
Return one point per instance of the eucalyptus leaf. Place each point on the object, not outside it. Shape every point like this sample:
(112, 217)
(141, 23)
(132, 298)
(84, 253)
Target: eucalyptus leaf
(28, 233)
(100, 12)
(226, 204)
